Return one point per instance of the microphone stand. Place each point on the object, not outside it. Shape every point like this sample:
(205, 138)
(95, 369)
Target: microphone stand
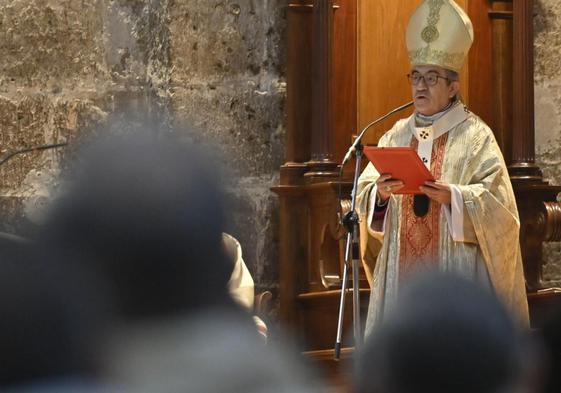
(352, 257)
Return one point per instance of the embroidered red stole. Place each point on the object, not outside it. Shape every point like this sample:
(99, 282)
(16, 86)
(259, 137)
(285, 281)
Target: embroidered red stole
(419, 236)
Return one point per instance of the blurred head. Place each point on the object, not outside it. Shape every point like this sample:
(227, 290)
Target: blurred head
(433, 88)
(446, 335)
(146, 213)
(550, 336)
(51, 316)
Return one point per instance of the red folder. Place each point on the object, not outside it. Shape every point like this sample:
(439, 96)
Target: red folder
(403, 164)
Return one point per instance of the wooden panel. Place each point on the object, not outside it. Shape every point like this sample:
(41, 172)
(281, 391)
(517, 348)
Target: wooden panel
(294, 251)
(542, 305)
(501, 20)
(479, 79)
(344, 75)
(383, 62)
(319, 311)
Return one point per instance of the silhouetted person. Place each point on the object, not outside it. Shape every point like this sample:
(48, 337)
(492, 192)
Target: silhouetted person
(148, 216)
(146, 213)
(446, 334)
(50, 317)
(551, 340)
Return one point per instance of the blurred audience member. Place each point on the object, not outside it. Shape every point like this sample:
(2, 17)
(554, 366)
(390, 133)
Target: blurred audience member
(146, 213)
(50, 320)
(446, 335)
(551, 343)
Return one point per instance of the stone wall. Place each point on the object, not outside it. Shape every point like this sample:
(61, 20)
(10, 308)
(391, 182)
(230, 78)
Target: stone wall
(212, 69)
(548, 111)
(228, 59)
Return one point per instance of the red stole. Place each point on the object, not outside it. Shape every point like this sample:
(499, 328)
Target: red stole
(419, 236)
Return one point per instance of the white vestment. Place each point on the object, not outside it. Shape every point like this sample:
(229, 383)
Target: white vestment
(476, 236)
(240, 286)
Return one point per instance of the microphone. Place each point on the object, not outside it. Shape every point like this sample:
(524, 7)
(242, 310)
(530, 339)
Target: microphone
(359, 137)
(30, 149)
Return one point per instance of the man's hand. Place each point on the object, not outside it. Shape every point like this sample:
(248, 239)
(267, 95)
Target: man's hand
(386, 186)
(438, 191)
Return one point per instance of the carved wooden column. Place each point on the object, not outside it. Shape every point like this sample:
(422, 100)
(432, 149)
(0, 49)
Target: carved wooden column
(322, 163)
(500, 86)
(293, 206)
(523, 167)
(321, 116)
(299, 91)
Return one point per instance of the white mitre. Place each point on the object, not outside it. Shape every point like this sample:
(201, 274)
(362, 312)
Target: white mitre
(439, 33)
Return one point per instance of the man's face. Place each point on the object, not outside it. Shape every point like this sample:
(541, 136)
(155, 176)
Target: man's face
(428, 99)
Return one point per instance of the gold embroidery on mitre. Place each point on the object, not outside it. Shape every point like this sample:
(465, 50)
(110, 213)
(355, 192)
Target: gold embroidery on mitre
(430, 33)
(427, 55)
(434, 11)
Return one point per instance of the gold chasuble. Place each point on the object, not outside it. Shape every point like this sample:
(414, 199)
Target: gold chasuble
(477, 238)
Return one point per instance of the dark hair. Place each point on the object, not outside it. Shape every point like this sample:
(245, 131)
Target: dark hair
(551, 342)
(51, 316)
(452, 76)
(146, 213)
(447, 335)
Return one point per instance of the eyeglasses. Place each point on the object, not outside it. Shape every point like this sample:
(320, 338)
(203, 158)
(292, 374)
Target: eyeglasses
(431, 78)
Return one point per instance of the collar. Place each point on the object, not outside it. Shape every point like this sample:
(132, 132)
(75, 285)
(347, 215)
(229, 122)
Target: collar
(423, 120)
(454, 116)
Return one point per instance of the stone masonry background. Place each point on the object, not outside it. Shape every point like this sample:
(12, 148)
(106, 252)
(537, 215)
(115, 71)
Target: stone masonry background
(212, 69)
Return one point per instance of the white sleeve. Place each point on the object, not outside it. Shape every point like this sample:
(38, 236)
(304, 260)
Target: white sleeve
(455, 214)
(371, 206)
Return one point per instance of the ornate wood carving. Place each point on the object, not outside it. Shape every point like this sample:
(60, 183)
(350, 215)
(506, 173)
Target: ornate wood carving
(547, 226)
(549, 221)
(530, 198)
